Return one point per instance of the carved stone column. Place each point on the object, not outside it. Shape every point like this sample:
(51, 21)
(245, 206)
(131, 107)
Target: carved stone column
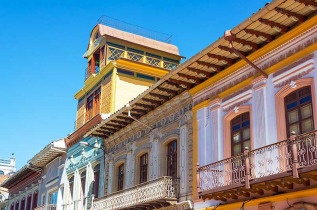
(110, 177)
(216, 131)
(154, 165)
(183, 160)
(128, 174)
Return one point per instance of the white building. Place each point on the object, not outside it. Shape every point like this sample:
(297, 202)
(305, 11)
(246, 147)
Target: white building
(7, 166)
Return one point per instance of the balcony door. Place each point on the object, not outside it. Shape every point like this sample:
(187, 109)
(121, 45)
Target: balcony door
(172, 159)
(299, 111)
(240, 133)
(120, 177)
(143, 168)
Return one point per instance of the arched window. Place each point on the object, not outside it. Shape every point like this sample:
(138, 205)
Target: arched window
(240, 133)
(1, 172)
(83, 181)
(172, 159)
(71, 186)
(96, 178)
(120, 177)
(299, 111)
(143, 168)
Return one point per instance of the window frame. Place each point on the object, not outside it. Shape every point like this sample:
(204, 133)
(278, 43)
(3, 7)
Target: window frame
(240, 130)
(96, 180)
(172, 167)
(120, 177)
(143, 167)
(93, 104)
(298, 108)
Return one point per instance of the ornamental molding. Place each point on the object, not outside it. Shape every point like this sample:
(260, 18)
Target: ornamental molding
(83, 161)
(271, 58)
(137, 134)
(294, 71)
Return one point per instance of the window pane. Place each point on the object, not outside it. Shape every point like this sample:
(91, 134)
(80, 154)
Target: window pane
(246, 134)
(236, 137)
(294, 127)
(237, 149)
(306, 111)
(303, 100)
(307, 125)
(236, 127)
(246, 144)
(293, 116)
(291, 105)
(246, 123)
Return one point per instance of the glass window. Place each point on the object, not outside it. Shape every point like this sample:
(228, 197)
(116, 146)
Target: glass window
(22, 204)
(240, 133)
(35, 197)
(172, 159)
(52, 197)
(28, 202)
(93, 104)
(299, 111)
(96, 180)
(83, 181)
(120, 177)
(143, 167)
(71, 186)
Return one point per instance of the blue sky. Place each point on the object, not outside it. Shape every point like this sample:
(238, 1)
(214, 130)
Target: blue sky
(42, 43)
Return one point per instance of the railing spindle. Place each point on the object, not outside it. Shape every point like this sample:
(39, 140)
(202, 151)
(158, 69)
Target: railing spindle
(247, 167)
(295, 155)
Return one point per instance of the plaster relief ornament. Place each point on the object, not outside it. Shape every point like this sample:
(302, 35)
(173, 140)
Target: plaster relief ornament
(71, 159)
(293, 84)
(83, 153)
(97, 145)
(236, 109)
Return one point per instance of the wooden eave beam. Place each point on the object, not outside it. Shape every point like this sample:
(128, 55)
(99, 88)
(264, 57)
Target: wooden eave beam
(188, 85)
(281, 28)
(173, 84)
(253, 45)
(229, 50)
(197, 80)
(296, 17)
(133, 115)
(308, 3)
(99, 135)
(156, 95)
(145, 106)
(198, 71)
(166, 90)
(267, 37)
(115, 126)
(141, 111)
(125, 118)
(103, 132)
(152, 101)
(210, 65)
(108, 129)
(120, 122)
(227, 61)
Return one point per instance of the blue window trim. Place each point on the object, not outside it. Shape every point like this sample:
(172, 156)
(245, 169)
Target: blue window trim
(143, 76)
(153, 55)
(135, 50)
(116, 45)
(122, 71)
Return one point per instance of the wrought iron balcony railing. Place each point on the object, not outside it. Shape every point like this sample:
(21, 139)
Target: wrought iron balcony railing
(155, 192)
(285, 158)
(46, 207)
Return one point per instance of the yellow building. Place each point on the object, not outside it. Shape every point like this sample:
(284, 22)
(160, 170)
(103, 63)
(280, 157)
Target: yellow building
(121, 65)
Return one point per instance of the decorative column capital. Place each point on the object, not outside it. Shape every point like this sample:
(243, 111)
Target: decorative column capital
(215, 104)
(259, 82)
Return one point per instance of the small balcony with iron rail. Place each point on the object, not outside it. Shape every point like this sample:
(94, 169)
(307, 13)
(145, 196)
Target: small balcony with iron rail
(46, 207)
(153, 194)
(276, 168)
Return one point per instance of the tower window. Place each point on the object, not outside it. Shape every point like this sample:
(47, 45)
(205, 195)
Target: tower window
(93, 104)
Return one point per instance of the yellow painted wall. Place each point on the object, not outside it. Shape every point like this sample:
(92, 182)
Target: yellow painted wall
(106, 88)
(128, 88)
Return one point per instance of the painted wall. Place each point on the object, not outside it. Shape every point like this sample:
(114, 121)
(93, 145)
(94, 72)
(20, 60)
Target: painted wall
(81, 159)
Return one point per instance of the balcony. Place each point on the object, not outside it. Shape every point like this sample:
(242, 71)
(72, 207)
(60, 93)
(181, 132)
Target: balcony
(276, 168)
(153, 194)
(46, 207)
